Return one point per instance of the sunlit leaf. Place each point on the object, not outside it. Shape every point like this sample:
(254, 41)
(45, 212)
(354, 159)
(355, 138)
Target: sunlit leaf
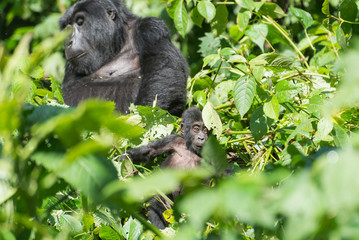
(212, 120)
(257, 33)
(181, 18)
(304, 17)
(206, 9)
(271, 108)
(244, 91)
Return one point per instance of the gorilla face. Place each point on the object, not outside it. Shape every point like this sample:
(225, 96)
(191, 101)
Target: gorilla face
(95, 37)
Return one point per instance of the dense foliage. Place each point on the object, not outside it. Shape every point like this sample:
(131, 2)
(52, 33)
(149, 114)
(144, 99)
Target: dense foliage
(277, 83)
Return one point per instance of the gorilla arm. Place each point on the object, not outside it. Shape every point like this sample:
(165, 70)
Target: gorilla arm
(153, 149)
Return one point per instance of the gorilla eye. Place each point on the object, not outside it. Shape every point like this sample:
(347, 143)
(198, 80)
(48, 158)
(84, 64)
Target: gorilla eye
(79, 21)
(196, 129)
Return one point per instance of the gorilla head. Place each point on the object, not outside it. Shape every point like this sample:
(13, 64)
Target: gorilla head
(97, 33)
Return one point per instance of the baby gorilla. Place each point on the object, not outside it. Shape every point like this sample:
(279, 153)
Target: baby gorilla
(184, 152)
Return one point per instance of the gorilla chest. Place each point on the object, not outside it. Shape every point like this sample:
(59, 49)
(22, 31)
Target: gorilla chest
(121, 89)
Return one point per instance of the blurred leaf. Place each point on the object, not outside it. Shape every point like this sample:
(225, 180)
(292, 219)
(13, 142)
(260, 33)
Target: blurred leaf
(304, 17)
(206, 9)
(213, 156)
(127, 168)
(244, 91)
(168, 215)
(325, 126)
(89, 173)
(340, 136)
(325, 7)
(348, 10)
(212, 120)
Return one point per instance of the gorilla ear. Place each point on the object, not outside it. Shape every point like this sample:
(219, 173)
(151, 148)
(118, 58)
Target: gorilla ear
(182, 128)
(111, 14)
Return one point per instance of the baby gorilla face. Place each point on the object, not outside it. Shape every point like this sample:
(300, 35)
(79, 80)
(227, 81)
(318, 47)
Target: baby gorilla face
(199, 135)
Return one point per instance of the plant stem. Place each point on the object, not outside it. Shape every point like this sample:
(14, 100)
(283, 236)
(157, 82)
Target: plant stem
(286, 35)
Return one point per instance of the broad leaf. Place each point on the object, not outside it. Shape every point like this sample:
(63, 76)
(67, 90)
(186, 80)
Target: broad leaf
(325, 7)
(213, 156)
(244, 91)
(243, 19)
(271, 108)
(259, 124)
(181, 18)
(304, 17)
(212, 120)
(219, 23)
(257, 33)
(108, 233)
(206, 9)
(325, 126)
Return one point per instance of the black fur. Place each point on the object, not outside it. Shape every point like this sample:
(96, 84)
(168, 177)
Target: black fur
(117, 56)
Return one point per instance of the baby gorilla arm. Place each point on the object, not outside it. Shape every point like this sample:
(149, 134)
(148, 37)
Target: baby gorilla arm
(149, 152)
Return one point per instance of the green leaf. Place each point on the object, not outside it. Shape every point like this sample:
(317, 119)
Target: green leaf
(325, 126)
(340, 136)
(71, 224)
(325, 7)
(341, 39)
(168, 216)
(132, 229)
(285, 91)
(206, 9)
(235, 32)
(212, 120)
(56, 89)
(348, 10)
(248, 4)
(304, 17)
(243, 19)
(271, 108)
(211, 60)
(302, 128)
(244, 91)
(272, 59)
(219, 23)
(88, 222)
(200, 97)
(196, 17)
(213, 156)
(181, 18)
(273, 10)
(127, 168)
(108, 233)
(259, 124)
(88, 174)
(258, 72)
(257, 33)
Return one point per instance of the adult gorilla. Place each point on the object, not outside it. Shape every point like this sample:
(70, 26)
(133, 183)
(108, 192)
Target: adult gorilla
(114, 55)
